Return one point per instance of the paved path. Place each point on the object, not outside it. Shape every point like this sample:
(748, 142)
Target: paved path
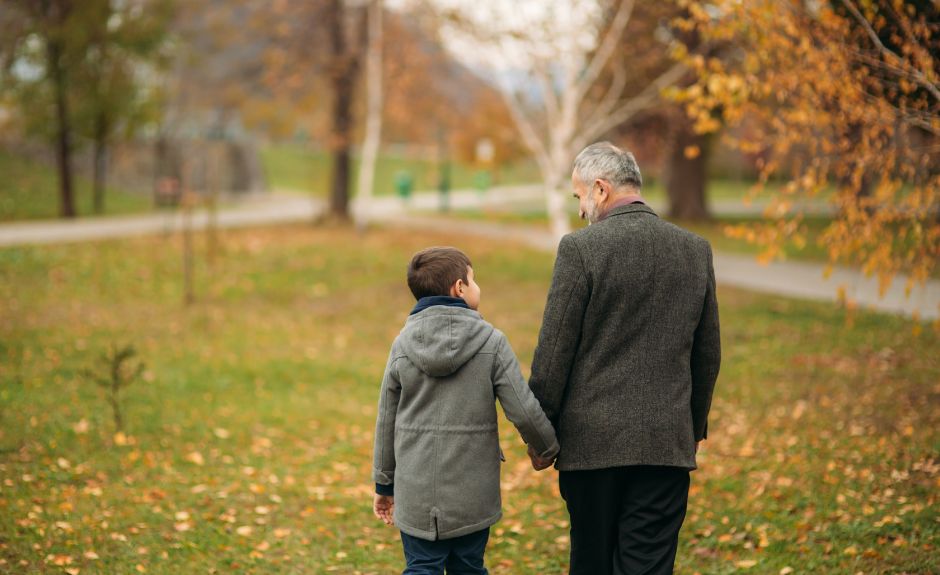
(794, 279)
(250, 211)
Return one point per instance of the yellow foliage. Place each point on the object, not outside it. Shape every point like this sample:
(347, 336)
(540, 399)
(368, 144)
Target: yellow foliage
(836, 114)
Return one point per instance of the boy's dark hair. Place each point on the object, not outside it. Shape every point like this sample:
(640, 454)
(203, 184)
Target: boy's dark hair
(433, 270)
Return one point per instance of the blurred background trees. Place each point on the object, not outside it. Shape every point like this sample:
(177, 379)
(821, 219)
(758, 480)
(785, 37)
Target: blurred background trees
(832, 102)
(81, 69)
(841, 102)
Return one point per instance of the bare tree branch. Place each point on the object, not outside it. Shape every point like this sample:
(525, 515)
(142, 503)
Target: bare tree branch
(547, 86)
(606, 49)
(918, 75)
(632, 106)
(526, 128)
(611, 97)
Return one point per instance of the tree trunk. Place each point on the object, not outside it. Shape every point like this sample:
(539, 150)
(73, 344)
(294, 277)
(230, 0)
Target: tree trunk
(101, 163)
(344, 68)
(370, 146)
(555, 203)
(63, 131)
(685, 175)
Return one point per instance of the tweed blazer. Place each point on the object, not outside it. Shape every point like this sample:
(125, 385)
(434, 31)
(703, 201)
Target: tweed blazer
(629, 349)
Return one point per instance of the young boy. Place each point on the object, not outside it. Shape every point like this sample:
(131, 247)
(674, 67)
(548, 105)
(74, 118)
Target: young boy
(437, 456)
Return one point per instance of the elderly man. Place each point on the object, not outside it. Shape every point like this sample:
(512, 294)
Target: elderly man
(625, 366)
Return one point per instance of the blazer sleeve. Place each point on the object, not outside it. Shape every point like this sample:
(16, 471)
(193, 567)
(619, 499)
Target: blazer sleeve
(520, 406)
(706, 356)
(560, 334)
(383, 460)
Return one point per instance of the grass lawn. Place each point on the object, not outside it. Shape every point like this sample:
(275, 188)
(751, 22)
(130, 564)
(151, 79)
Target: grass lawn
(248, 440)
(30, 191)
(300, 169)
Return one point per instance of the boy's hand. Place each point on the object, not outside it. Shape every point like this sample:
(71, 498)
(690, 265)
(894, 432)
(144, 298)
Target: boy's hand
(537, 462)
(383, 506)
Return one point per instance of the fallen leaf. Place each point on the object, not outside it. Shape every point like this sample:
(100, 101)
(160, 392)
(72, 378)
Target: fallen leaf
(196, 458)
(59, 560)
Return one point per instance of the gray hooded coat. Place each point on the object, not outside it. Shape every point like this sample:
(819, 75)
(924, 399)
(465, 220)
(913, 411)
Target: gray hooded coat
(436, 434)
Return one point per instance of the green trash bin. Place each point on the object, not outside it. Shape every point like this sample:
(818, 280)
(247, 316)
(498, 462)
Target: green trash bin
(482, 181)
(404, 183)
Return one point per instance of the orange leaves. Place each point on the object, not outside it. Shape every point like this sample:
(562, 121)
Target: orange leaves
(59, 560)
(831, 111)
(195, 458)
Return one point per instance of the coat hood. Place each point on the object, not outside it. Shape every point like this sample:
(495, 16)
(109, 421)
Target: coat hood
(441, 339)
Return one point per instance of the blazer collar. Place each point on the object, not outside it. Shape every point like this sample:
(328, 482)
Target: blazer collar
(629, 209)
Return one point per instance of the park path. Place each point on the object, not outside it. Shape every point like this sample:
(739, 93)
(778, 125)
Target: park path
(793, 279)
(249, 211)
(803, 280)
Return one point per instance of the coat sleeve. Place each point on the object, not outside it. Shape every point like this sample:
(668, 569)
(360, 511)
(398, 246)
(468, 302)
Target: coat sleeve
(383, 460)
(519, 404)
(560, 334)
(706, 356)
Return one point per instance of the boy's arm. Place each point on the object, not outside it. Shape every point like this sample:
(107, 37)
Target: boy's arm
(560, 334)
(383, 460)
(520, 405)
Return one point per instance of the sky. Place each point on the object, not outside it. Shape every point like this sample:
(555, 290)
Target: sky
(506, 36)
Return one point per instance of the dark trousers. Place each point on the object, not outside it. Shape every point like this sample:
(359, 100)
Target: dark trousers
(461, 555)
(625, 520)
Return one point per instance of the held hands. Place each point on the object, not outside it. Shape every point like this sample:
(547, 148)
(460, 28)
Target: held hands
(537, 462)
(383, 506)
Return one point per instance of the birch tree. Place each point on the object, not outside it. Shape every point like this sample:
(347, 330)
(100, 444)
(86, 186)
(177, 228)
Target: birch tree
(567, 81)
(373, 135)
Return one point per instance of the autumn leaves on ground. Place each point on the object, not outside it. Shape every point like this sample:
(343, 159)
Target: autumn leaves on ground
(248, 435)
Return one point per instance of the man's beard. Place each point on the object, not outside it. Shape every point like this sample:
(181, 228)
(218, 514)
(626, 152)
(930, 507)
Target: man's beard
(591, 214)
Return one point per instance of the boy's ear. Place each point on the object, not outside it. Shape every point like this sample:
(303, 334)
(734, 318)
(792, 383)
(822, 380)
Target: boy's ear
(456, 288)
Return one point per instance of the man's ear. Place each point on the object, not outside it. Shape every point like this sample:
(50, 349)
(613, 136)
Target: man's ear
(602, 187)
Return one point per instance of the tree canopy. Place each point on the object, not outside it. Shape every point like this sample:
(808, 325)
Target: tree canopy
(840, 101)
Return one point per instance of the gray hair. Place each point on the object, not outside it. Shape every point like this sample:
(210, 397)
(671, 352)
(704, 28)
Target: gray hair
(605, 161)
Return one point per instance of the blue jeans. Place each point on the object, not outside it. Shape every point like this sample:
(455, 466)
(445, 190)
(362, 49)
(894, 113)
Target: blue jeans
(460, 556)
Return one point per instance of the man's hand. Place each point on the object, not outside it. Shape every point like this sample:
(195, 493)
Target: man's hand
(537, 462)
(383, 506)
(697, 445)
